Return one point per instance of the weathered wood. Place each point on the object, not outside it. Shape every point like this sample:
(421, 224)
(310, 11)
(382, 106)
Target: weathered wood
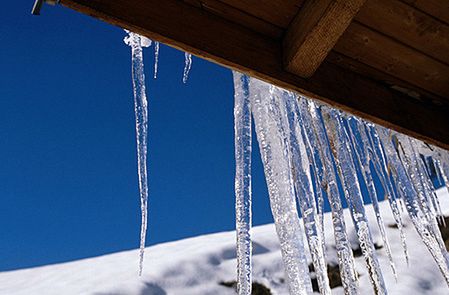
(191, 29)
(408, 25)
(314, 32)
(279, 13)
(393, 58)
(240, 17)
(437, 8)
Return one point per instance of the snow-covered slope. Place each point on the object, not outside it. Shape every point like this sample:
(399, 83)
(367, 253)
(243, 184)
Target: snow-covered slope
(197, 266)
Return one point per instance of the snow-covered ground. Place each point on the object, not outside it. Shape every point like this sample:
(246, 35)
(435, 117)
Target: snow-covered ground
(197, 266)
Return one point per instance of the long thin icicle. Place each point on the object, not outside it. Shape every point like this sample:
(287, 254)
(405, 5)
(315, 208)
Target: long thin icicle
(382, 170)
(342, 153)
(303, 184)
(156, 58)
(242, 128)
(408, 192)
(313, 153)
(187, 67)
(274, 151)
(313, 126)
(360, 144)
(136, 42)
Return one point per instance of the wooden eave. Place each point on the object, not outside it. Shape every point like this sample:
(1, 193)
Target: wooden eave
(383, 60)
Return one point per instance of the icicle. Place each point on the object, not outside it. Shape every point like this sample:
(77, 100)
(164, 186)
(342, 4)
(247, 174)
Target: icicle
(242, 128)
(342, 154)
(381, 168)
(442, 158)
(313, 154)
(409, 194)
(187, 67)
(362, 154)
(274, 151)
(303, 184)
(136, 42)
(442, 163)
(426, 181)
(156, 58)
(411, 161)
(317, 139)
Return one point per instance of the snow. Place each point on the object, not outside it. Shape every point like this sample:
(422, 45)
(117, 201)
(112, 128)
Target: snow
(197, 265)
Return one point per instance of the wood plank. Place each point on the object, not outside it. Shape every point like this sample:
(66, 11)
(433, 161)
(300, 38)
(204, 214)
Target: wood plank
(383, 78)
(233, 46)
(240, 17)
(396, 59)
(436, 8)
(408, 25)
(279, 13)
(314, 32)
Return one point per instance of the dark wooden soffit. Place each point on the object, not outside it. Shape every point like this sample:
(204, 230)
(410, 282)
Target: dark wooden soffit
(352, 86)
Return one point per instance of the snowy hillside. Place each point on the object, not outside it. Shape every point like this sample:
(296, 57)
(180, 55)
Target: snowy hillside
(198, 266)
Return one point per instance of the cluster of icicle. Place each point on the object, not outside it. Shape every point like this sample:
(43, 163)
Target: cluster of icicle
(311, 152)
(137, 43)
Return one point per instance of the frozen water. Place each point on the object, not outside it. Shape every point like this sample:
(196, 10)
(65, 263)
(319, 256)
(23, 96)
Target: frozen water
(156, 58)
(242, 128)
(136, 42)
(187, 66)
(340, 146)
(272, 136)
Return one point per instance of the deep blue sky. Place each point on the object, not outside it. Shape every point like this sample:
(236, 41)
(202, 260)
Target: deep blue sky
(68, 178)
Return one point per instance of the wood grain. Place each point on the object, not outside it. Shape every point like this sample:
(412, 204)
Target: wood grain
(436, 8)
(393, 58)
(385, 79)
(407, 25)
(240, 17)
(314, 32)
(215, 39)
(277, 12)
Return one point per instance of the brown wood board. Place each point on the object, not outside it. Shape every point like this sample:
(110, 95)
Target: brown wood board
(394, 58)
(209, 36)
(408, 25)
(238, 16)
(314, 32)
(277, 12)
(436, 8)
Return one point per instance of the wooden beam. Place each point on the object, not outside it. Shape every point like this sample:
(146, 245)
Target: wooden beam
(208, 36)
(314, 32)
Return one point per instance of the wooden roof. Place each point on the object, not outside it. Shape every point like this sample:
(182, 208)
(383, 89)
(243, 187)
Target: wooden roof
(383, 60)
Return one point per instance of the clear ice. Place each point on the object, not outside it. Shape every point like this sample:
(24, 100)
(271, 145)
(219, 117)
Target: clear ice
(340, 146)
(242, 129)
(309, 151)
(156, 58)
(272, 138)
(315, 130)
(187, 66)
(136, 42)
(363, 154)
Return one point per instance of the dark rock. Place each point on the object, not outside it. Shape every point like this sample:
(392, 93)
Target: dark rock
(445, 232)
(258, 288)
(333, 272)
